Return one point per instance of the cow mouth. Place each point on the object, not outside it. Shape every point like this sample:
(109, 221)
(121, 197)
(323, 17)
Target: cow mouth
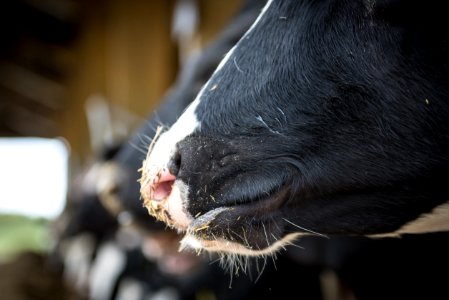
(163, 203)
(238, 226)
(156, 192)
(241, 228)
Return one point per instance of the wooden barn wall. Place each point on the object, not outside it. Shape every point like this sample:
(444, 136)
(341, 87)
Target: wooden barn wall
(125, 53)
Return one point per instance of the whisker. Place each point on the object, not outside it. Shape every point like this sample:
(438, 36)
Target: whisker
(273, 258)
(148, 139)
(151, 127)
(231, 277)
(257, 266)
(144, 143)
(294, 245)
(217, 260)
(263, 268)
(246, 260)
(159, 121)
(245, 237)
(156, 136)
(266, 236)
(235, 233)
(305, 229)
(143, 151)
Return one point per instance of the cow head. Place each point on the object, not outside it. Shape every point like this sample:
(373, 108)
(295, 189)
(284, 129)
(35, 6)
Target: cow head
(327, 117)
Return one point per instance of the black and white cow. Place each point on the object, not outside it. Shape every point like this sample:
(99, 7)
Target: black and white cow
(327, 117)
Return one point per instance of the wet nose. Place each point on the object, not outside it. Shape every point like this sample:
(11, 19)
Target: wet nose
(174, 163)
(161, 185)
(164, 178)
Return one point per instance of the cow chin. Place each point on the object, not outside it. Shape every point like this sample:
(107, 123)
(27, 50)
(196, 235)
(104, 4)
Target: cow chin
(249, 229)
(220, 245)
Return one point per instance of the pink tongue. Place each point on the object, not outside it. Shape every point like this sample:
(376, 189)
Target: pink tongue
(163, 187)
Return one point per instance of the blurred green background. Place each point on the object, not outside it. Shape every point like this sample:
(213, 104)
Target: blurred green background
(19, 233)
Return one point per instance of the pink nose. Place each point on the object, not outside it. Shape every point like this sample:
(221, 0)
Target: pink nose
(161, 185)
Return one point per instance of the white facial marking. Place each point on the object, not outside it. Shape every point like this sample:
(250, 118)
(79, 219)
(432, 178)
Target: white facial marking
(262, 13)
(165, 145)
(158, 159)
(225, 59)
(188, 122)
(175, 206)
(229, 54)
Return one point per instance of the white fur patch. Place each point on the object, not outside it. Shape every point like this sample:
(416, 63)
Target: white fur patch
(165, 145)
(175, 206)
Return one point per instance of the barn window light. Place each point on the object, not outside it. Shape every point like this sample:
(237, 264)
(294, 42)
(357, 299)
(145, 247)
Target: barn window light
(33, 176)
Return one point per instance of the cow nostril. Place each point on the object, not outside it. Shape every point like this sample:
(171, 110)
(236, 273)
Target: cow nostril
(175, 163)
(161, 186)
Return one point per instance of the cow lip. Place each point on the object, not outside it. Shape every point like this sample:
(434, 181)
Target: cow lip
(202, 226)
(163, 209)
(202, 222)
(269, 203)
(266, 202)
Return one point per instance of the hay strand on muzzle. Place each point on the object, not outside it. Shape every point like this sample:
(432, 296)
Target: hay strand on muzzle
(155, 208)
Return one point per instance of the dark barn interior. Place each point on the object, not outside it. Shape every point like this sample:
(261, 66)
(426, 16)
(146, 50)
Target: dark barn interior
(55, 55)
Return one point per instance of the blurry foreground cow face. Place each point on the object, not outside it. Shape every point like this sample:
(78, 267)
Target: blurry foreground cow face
(327, 117)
